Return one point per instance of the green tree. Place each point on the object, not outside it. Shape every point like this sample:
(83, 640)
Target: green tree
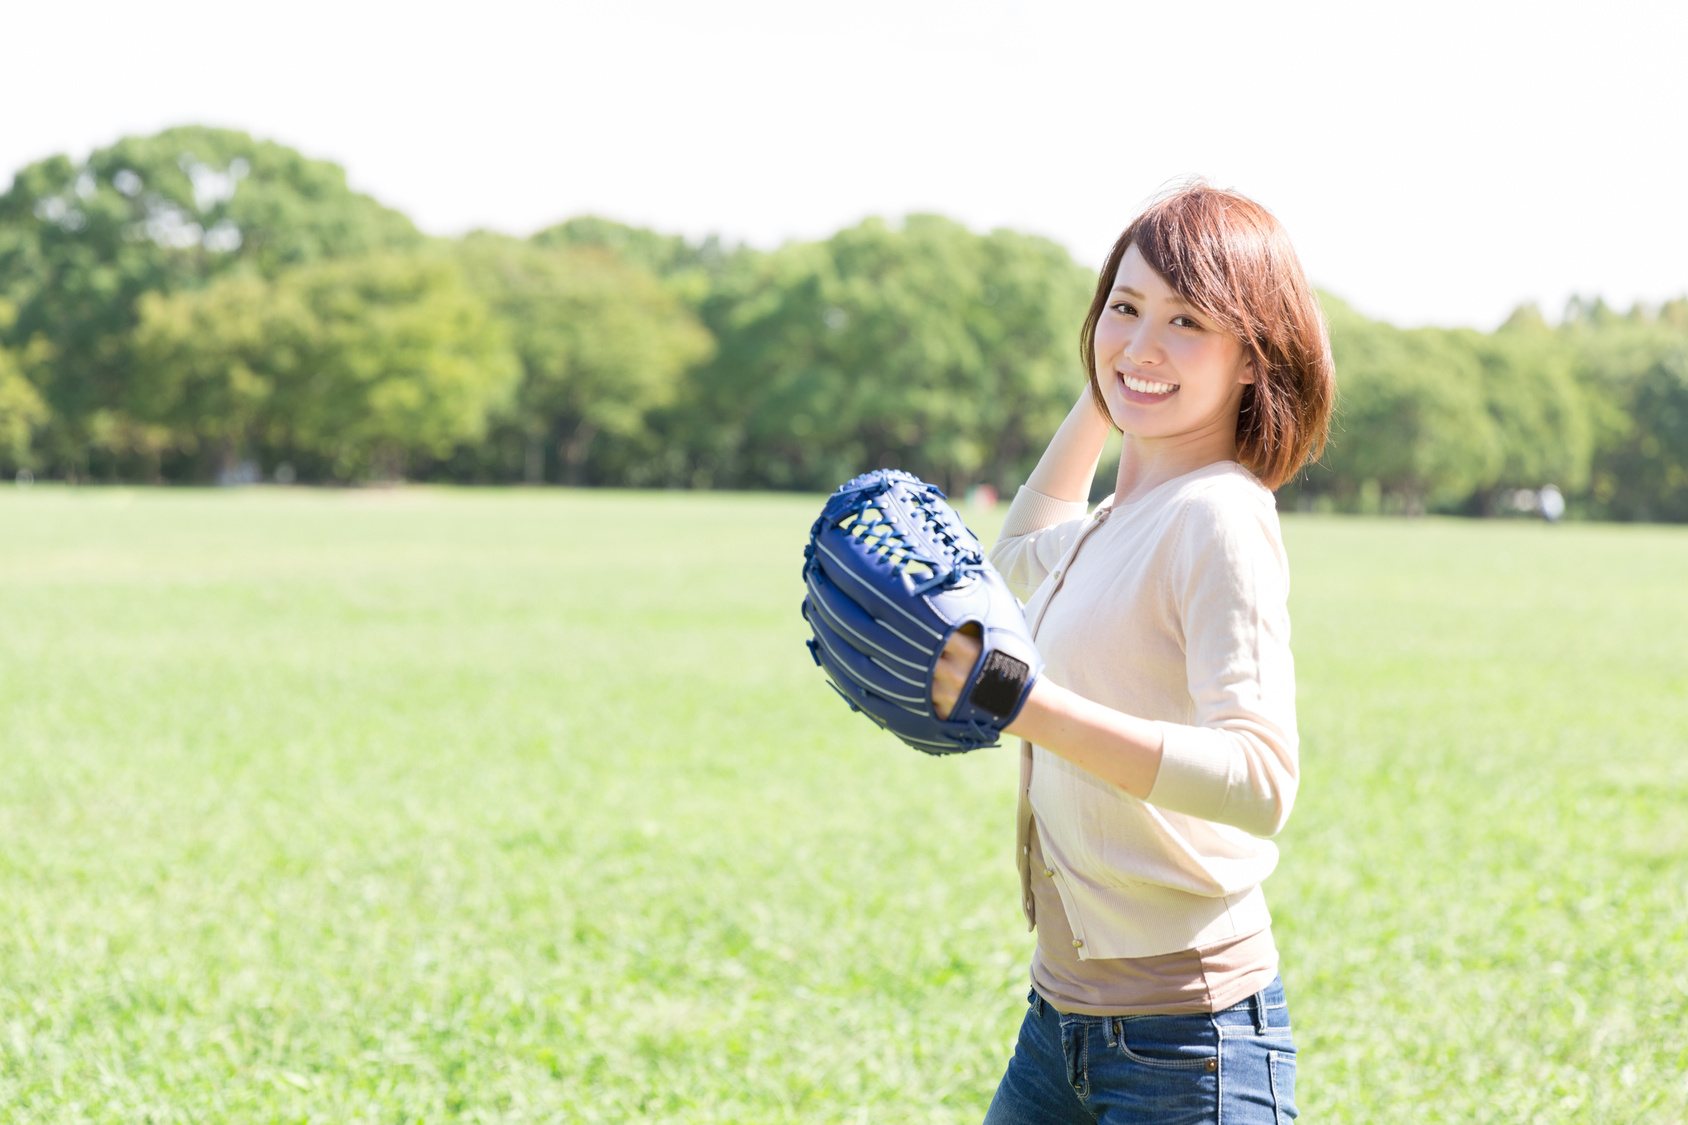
(1623, 363)
(1027, 321)
(602, 345)
(1413, 426)
(21, 410)
(1542, 415)
(924, 346)
(353, 367)
(665, 255)
(21, 413)
(81, 241)
(1648, 467)
(207, 363)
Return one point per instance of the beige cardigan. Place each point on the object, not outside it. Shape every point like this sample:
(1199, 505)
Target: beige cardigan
(1171, 608)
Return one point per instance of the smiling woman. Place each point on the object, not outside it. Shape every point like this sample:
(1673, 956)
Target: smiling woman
(1161, 368)
(1223, 274)
(1160, 749)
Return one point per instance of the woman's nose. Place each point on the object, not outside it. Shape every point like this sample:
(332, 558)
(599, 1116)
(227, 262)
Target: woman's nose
(1141, 347)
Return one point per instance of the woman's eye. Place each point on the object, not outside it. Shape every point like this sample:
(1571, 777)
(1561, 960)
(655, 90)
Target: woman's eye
(1125, 309)
(1185, 322)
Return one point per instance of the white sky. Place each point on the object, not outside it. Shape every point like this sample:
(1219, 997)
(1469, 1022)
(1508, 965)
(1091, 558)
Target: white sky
(1435, 162)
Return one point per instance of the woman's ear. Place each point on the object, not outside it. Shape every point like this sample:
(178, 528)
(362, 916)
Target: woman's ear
(1249, 374)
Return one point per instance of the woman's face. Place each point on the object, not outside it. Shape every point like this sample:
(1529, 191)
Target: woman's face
(1165, 369)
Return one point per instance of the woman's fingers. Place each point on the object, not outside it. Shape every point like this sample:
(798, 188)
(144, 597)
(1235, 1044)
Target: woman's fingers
(955, 664)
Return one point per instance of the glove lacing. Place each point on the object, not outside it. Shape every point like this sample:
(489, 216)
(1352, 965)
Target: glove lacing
(892, 546)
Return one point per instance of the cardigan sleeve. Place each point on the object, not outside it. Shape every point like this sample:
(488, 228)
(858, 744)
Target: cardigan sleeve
(1238, 762)
(1035, 535)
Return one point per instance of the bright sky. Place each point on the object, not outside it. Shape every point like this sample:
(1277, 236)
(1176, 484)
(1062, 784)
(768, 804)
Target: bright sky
(1435, 162)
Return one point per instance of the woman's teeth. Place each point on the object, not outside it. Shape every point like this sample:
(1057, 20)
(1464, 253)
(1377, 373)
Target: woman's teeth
(1144, 386)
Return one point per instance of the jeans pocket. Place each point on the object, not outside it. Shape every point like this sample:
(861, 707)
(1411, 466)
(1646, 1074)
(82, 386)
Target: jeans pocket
(1280, 1068)
(1169, 1042)
(1161, 1068)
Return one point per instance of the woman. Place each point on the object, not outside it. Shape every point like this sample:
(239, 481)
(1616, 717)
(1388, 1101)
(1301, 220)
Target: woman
(1160, 746)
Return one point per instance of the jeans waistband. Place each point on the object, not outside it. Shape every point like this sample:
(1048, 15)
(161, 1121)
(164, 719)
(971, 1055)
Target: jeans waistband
(1267, 1008)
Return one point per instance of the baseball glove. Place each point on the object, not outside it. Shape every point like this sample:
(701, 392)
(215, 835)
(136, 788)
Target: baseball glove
(892, 573)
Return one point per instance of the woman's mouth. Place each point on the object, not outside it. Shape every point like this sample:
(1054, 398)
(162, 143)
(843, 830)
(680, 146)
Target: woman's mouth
(1151, 387)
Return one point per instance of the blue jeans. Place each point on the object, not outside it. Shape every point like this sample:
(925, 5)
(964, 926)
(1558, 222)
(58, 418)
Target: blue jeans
(1235, 1066)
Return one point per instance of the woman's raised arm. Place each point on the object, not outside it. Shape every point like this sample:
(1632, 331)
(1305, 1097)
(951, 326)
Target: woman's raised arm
(1042, 520)
(1068, 466)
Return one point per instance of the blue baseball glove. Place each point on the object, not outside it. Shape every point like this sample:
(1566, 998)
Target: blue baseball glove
(892, 573)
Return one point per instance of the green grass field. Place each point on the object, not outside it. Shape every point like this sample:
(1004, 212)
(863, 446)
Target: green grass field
(414, 805)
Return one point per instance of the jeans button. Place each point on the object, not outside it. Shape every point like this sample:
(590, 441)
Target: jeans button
(1212, 1065)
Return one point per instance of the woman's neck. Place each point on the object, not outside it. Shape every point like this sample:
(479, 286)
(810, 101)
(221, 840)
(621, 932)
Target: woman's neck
(1147, 463)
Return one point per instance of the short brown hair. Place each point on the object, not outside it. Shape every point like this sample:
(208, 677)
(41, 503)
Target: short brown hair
(1231, 259)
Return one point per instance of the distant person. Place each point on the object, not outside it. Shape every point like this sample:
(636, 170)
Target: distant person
(1160, 747)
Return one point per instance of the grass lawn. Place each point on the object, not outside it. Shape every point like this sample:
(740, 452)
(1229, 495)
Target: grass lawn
(417, 805)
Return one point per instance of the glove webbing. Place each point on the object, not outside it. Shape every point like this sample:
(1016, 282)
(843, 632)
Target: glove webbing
(903, 555)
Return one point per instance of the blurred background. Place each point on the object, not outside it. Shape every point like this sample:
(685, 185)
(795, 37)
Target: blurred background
(527, 804)
(763, 246)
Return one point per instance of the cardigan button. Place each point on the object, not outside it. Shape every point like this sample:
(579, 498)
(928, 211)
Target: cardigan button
(1078, 943)
(1049, 873)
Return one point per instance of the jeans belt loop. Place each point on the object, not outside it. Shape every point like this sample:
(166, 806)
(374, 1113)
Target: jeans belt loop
(1260, 1012)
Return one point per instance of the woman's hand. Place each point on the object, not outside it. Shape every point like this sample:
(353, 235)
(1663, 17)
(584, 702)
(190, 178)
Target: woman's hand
(955, 664)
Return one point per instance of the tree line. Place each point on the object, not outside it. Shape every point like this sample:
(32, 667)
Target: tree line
(197, 304)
